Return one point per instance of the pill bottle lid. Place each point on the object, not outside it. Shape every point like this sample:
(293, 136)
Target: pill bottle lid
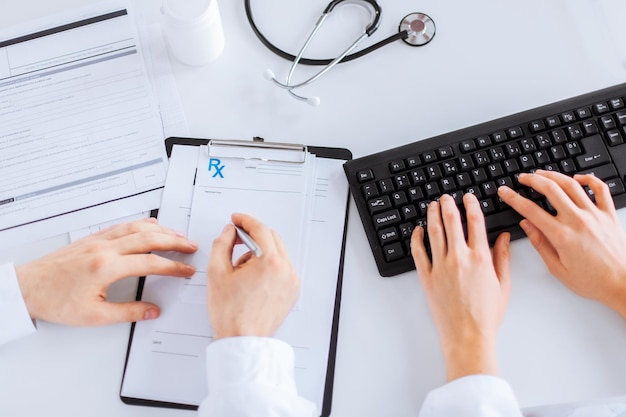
(186, 11)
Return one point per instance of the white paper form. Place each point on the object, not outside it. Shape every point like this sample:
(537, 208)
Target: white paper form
(166, 360)
(79, 126)
(276, 192)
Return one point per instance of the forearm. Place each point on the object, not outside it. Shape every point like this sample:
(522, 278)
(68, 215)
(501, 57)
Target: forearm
(470, 358)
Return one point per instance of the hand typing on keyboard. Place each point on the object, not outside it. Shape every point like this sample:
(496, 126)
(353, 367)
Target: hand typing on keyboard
(468, 287)
(583, 244)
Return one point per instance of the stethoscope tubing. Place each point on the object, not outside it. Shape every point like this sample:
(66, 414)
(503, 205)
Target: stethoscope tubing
(321, 61)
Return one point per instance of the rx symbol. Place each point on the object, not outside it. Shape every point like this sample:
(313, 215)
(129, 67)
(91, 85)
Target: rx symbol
(217, 164)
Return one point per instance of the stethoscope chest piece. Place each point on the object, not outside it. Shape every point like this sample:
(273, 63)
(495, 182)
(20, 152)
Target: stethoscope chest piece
(420, 28)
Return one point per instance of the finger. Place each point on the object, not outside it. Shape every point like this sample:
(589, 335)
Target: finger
(144, 242)
(124, 229)
(502, 259)
(542, 245)
(280, 246)
(526, 208)
(243, 259)
(452, 223)
(559, 189)
(604, 200)
(476, 230)
(436, 232)
(418, 251)
(110, 313)
(261, 234)
(221, 258)
(147, 264)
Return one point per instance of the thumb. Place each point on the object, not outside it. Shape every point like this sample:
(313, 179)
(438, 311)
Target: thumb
(502, 258)
(543, 246)
(128, 312)
(221, 259)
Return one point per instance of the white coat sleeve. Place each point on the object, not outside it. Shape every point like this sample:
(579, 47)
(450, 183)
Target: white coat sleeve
(472, 396)
(252, 376)
(15, 322)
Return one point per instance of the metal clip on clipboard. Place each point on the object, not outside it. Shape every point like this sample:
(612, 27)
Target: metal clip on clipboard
(258, 149)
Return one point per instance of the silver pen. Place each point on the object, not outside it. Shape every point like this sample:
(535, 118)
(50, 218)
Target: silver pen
(248, 241)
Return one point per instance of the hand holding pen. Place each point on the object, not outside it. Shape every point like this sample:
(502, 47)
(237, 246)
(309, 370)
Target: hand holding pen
(243, 299)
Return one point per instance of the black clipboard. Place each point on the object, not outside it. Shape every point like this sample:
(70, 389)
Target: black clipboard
(320, 152)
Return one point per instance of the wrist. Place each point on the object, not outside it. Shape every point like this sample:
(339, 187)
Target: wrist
(473, 357)
(616, 298)
(24, 281)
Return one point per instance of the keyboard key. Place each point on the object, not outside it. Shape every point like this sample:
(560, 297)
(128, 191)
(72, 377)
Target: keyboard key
(464, 180)
(434, 172)
(388, 218)
(406, 230)
(603, 171)
(615, 186)
(445, 152)
(481, 158)
(583, 113)
(388, 235)
(366, 175)
(527, 162)
(432, 190)
(614, 137)
(483, 141)
(568, 117)
(402, 182)
(418, 177)
(567, 166)
(378, 204)
(502, 220)
(413, 162)
(495, 171)
(515, 132)
(449, 168)
(468, 146)
(498, 137)
(542, 157)
(415, 194)
(558, 136)
(393, 252)
(396, 166)
(465, 163)
(528, 145)
(386, 186)
(409, 212)
(607, 123)
(552, 121)
(557, 152)
(616, 104)
(595, 153)
(447, 185)
(536, 126)
(600, 108)
(488, 206)
(573, 148)
(590, 128)
(399, 199)
(369, 191)
(574, 132)
(479, 175)
(429, 157)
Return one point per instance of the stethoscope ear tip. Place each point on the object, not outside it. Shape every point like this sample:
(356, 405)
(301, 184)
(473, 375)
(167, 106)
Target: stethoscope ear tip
(313, 101)
(269, 75)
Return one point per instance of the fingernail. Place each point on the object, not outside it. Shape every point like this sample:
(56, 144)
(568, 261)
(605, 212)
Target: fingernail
(193, 244)
(150, 314)
(502, 190)
(179, 234)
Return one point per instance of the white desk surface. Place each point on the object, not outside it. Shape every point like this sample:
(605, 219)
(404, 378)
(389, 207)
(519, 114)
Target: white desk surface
(488, 59)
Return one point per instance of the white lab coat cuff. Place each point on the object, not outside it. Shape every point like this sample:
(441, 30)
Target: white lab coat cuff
(252, 376)
(472, 396)
(15, 321)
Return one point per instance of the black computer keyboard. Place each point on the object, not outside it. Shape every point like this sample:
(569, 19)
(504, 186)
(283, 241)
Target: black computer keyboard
(392, 189)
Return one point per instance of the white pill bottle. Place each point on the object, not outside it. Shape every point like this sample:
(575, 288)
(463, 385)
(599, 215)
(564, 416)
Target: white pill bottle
(193, 30)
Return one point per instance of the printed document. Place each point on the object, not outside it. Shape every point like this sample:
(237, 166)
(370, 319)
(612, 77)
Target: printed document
(166, 361)
(80, 132)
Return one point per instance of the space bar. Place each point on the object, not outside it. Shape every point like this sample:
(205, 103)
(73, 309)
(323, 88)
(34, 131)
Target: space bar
(502, 220)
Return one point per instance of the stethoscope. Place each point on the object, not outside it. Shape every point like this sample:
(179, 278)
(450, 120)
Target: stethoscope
(416, 29)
